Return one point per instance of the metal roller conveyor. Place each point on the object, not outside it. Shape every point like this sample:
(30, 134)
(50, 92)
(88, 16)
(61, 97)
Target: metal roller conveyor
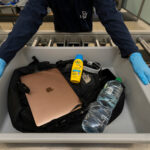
(144, 44)
(98, 39)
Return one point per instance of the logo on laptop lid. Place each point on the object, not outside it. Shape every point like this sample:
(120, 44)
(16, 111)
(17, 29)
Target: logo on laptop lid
(49, 89)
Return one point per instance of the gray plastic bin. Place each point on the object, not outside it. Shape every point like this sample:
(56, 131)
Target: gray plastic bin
(133, 125)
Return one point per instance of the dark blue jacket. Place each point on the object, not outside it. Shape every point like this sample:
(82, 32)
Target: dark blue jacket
(70, 16)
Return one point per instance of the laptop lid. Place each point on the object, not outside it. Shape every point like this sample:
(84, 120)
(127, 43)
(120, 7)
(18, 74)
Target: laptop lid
(50, 95)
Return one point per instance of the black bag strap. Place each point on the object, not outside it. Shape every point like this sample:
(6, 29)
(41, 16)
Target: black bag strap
(62, 63)
(23, 88)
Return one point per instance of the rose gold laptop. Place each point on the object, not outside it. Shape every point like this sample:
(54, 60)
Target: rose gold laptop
(50, 96)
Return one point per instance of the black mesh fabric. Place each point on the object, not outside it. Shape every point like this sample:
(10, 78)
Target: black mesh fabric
(20, 112)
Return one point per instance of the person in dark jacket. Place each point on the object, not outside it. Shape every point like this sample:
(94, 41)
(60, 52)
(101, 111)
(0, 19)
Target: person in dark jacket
(74, 16)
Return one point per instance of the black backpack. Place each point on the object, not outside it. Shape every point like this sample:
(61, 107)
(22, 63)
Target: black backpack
(20, 112)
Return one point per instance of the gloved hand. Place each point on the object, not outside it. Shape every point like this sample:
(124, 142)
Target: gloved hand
(2, 66)
(140, 67)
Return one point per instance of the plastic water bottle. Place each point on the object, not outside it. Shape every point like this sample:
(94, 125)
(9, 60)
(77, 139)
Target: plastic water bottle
(100, 111)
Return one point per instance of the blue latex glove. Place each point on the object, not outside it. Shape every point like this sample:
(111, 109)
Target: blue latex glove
(140, 67)
(2, 66)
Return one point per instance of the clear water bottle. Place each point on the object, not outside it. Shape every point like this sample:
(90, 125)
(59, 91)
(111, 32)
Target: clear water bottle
(100, 111)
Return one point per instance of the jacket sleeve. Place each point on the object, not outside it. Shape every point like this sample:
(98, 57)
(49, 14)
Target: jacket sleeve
(114, 24)
(27, 24)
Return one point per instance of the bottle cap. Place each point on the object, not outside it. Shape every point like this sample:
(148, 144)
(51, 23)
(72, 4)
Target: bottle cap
(79, 56)
(119, 79)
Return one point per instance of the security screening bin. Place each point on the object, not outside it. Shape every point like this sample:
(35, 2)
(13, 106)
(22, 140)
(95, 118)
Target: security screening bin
(133, 125)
